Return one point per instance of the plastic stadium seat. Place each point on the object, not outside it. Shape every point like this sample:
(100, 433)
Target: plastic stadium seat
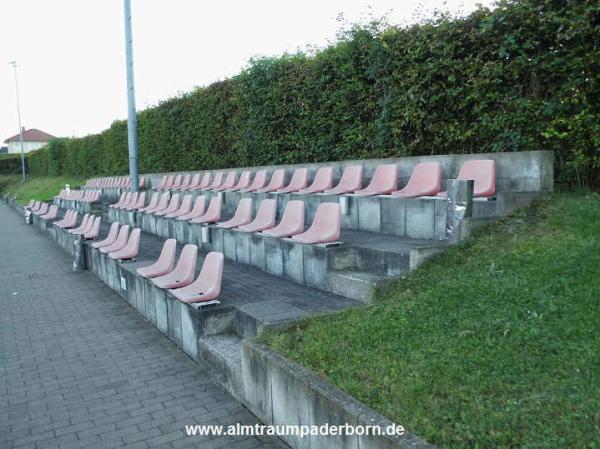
(31, 203)
(194, 182)
(483, 174)
(384, 181)
(205, 181)
(242, 216)
(276, 183)
(153, 202)
(260, 179)
(65, 219)
(164, 264)
(169, 183)
(291, 223)
(163, 182)
(197, 210)
(172, 207)
(229, 182)
(183, 274)
(217, 181)
(87, 218)
(36, 207)
(110, 238)
(43, 209)
(208, 284)
(94, 230)
(299, 181)
(325, 227)
(425, 179)
(121, 200)
(243, 182)
(130, 250)
(52, 213)
(162, 204)
(212, 214)
(185, 182)
(70, 223)
(184, 207)
(177, 182)
(139, 203)
(350, 181)
(265, 217)
(323, 181)
(130, 200)
(119, 242)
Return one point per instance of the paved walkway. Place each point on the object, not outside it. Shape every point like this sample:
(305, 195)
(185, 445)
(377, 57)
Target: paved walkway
(79, 368)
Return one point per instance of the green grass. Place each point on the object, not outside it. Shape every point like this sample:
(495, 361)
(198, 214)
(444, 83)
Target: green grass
(493, 344)
(42, 189)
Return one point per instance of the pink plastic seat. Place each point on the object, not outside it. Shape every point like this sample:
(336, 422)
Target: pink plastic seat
(121, 200)
(131, 199)
(206, 180)
(164, 264)
(43, 209)
(162, 204)
(325, 227)
(242, 216)
(110, 237)
(163, 182)
(323, 181)
(384, 181)
(185, 181)
(197, 210)
(119, 242)
(153, 202)
(350, 181)
(36, 207)
(277, 182)
(130, 250)
(213, 213)
(138, 203)
(208, 284)
(265, 217)
(260, 179)
(32, 202)
(291, 223)
(229, 182)
(82, 226)
(183, 274)
(483, 174)
(172, 207)
(94, 230)
(177, 182)
(243, 182)
(425, 179)
(169, 183)
(52, 213)
(65, 219)
(299, 181)
(217, 181)
(194, 182)
(184, 208)
(71, 222)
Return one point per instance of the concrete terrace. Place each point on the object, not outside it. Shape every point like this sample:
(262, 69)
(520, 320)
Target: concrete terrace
(79, 368)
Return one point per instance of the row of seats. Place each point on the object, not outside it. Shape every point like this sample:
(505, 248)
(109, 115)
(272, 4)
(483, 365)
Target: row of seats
(84, 196)
(89, 226)
(114, 182)
(120, 244)
(38, 207)
(179, 278)
(425, 180)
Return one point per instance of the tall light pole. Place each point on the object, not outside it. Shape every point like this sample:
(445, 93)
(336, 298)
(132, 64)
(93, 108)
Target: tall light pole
(131, 115)
(14, 64)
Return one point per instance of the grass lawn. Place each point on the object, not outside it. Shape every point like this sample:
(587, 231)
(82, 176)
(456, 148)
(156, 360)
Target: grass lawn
(493, 344)
(42, 189)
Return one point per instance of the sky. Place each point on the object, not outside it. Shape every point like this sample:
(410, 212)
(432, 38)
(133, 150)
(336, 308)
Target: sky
(71, 54)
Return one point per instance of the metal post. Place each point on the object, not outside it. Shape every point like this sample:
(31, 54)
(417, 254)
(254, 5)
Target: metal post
(14, 64)
(131, 115)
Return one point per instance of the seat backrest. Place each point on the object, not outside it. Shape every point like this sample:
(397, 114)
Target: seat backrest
(113, 231)
(267, 210)
(244, 180)
(187, 261)
(95, 228)
(351, 178)
(243, 210)
(218, 180)
(293, 214)
(211, 274)
(133, 199)
(277, 179)
(229, 180)
(483, 174)
(141, 200)
(174, 203)
(166, 260)
(122, 236)
(299, 179)
(177, 182)
(164, 201)
(195, 181)
(199, 205)
(154, 200)
(426, 176)
(185, 181)
(214, 207)
(205, 180)
(385, 178)
(260, 179)
(169, 182)
(323, 179)
(327, 220)
(133, 243)
(122, 198)
(163, 182)
(186, 204)
(84, 221)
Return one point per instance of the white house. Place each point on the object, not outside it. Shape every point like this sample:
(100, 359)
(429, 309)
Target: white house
(33, 139)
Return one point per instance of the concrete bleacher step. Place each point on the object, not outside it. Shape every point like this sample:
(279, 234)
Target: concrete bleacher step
(358, 285)
(222, 356)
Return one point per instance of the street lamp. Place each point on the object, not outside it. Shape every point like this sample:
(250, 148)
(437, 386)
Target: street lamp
(14, 64)
(131, 115)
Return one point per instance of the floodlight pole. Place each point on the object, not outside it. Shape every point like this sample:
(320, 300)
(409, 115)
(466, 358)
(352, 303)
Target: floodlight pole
(131, 115)
(14, 64)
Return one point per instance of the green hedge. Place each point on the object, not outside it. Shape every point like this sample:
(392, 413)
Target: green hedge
(521, 77)
(10, 164)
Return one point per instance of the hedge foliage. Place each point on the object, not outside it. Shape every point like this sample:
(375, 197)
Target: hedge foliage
(523, 76)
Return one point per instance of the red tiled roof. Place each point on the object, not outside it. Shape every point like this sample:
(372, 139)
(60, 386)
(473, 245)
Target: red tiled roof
(31, 135)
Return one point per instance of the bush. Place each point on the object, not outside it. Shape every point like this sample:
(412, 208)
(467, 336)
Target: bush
(521, 77)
